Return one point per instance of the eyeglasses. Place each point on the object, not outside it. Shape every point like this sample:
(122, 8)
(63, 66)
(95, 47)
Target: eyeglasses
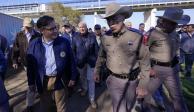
(51, 29)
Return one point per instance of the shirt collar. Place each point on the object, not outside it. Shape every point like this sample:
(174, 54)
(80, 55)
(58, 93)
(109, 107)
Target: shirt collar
(160, 30)
(47, 43)
(123, 30)
(31, 33)
(191, 33)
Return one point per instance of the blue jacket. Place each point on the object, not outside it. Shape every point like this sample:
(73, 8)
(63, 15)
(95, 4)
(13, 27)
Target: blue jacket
(66, 35)
(66, 68)
(3, 64)
(3, 43)
(135, 30)
(85, 48)
(187, 45)
(3, 92)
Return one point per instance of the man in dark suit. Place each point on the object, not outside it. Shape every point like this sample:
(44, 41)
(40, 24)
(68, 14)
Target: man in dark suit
(187, 47)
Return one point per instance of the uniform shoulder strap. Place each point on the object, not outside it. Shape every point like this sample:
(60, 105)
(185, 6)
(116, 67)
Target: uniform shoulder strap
(135, 30)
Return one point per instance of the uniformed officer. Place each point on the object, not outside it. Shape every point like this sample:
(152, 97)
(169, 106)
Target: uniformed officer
(163, 43)
(119, 49)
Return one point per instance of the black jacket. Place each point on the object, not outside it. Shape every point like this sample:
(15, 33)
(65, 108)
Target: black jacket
(85, 49)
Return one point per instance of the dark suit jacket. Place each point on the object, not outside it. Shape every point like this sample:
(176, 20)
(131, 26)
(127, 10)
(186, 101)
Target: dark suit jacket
(85, 49)
(20, 46)
(187, 45)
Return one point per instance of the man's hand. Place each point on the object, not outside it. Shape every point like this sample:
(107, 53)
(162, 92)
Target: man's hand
(15, 66)
(71, 83)
(152, 73)
(96, 78)
(141, 92)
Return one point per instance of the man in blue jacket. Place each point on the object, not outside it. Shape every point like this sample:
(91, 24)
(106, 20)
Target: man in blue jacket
(69, 32)
(4, 104)
(50, 66)
(3, 48)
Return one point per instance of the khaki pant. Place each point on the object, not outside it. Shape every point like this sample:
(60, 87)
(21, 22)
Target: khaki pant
(170, 78)
(48, 100)
(116, 87)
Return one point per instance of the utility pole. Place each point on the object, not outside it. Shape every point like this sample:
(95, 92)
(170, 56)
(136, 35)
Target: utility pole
(99, 3)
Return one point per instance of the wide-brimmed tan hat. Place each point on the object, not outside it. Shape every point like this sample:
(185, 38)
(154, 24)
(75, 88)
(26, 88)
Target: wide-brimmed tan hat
(115, 8)
(28, 22)
(172, 14)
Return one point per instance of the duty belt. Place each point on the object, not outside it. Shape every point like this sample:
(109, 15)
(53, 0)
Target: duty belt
(166, 64)
(132, 76)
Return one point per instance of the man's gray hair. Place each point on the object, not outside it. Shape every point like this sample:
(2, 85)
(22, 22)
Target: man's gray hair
(82, 23)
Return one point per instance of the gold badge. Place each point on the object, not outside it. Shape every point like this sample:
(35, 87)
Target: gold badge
(62, 54)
